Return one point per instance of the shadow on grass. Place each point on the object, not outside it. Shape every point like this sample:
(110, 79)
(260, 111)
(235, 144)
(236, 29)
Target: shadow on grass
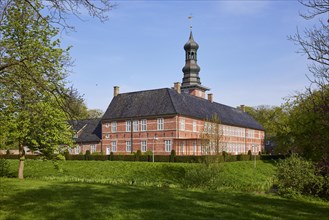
(54, 200)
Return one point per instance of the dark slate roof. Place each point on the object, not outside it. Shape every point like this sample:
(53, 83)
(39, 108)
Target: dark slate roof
(161, 102)
(88, 130)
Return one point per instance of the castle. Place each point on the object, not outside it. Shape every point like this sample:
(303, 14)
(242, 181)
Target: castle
(180, 118)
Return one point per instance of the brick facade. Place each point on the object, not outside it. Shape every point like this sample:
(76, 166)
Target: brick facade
(183, 134)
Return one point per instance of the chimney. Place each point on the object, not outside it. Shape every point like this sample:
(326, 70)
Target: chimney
(242, 107)
(116, 90)
(210, 97)
(177, 87)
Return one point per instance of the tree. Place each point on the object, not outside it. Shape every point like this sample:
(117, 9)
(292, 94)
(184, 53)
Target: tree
(95, 113)
(273, 119)
(314, 42)
(56, 13)
(74, 105)
(212, 136)
(309, 128)
(31, 91)
(58, 10)
(309, 110)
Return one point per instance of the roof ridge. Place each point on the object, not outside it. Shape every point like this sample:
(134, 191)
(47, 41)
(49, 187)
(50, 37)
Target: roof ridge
(171, 100)
(148, 90)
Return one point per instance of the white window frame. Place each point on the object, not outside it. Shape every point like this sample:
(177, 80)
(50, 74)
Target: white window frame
(108, 147)
(107, 125)
(128, 126)
(128, 146)
(135, 125)
(194, 126)
(77, 149)
(114, 126)
(160, 124)
(182, 124)
(182, 147)
(143, 146)
(168, 146)
(114, 146)
(144, 125)
(194, 147)
(93, 148)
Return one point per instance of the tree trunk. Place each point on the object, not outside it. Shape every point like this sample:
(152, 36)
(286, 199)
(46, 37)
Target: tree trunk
(21, 162)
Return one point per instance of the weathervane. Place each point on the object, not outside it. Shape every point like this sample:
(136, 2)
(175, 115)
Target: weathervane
(190, 18)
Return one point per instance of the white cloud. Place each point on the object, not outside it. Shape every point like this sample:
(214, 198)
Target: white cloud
(243, 7)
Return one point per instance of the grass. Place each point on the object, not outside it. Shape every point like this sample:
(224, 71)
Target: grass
(140, 190)
(234, 175)
(39, 199)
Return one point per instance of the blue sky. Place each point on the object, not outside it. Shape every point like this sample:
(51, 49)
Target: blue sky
(244, 54)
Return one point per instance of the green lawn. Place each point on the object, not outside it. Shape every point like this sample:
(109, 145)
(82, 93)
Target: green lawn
(235, 175)
(39, 199)
(137, 190)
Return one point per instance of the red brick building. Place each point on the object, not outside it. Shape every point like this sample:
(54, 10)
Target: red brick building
(175, 118)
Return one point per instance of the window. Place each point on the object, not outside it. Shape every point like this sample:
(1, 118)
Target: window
(194, 147)
(92, 148)
(144, 125)
(107, 135)
(182, 148)
(206, 127)
(160, 123)
(114, 146)
(107, 125)
(128, 126)
(194, 126)
(114, 126)
(77, 149)
(143, 146)
(128, 146)
(182, 124)
(135, 124)
(167, 145)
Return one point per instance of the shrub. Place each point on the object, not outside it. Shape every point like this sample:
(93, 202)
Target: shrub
(87, 154)
(137, 155)
(111, 155)
(4, 168)
(297, 176)
(172, 156)
(202, 176)
(149, 152)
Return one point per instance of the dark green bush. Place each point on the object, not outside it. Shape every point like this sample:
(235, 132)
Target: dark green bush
(111, 156)
(4, 168)
(87, 155)
(297, 176)
(161, 158)
(242, 157)
(137, 155)
(172, 156)
(144, 158)
(203, 176)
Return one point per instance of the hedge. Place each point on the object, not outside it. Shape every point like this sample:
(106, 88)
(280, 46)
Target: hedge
(158, 158)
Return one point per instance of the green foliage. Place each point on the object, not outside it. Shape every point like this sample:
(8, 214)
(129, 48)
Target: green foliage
(87, 155)
(172, 155)
(204, 176)
(138, 155)
(297, 176)
(55, 200)
(148, 152)
(32, 87)
(4, 168)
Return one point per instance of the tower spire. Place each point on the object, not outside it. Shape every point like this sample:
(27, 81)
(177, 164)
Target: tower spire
(191, 81)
